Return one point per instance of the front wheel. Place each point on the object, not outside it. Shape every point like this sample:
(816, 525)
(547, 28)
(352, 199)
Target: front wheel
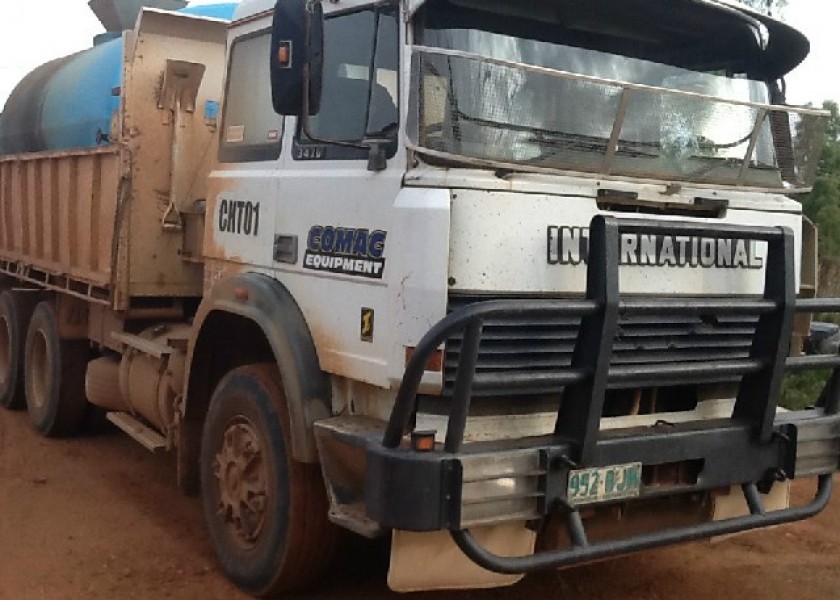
(266, 513)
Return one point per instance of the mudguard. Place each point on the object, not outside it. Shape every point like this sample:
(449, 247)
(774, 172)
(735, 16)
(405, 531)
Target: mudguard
(270, 306)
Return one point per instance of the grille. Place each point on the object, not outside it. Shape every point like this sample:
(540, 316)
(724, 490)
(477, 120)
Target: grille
(531, 346)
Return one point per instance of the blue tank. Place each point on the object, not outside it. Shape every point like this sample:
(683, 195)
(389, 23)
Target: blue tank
(69, 103)
(223, 10)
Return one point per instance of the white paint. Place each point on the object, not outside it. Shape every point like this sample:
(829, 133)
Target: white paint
(500, 244)
(418, 296)
(301, 194)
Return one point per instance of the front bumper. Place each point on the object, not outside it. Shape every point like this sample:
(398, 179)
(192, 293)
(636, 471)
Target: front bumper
(461, 486)
(491, 483)
(527, 480)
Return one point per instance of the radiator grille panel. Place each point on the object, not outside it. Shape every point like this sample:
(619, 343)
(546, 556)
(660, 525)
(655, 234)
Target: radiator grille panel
(532, 346)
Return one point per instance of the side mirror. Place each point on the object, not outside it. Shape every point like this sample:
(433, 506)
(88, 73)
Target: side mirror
(297, 57)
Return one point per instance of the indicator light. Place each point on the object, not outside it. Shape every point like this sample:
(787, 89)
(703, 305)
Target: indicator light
(423, 441)
(284, 55)
(435, 363)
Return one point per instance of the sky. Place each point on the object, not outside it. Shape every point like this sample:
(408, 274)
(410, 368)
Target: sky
(817, 78)
(33, 32)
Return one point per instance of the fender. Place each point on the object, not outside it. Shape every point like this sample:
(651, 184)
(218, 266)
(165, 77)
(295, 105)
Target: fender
(270, 306)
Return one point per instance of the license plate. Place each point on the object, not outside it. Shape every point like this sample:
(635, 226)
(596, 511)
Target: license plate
(589, 486)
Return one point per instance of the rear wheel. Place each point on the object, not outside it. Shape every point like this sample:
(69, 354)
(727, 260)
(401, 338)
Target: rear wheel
(54, 376)
(266, 513)
(15, 311)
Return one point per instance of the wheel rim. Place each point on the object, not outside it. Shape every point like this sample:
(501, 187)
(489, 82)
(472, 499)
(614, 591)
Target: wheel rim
(38, 360)
(5, 351)
(242, 479)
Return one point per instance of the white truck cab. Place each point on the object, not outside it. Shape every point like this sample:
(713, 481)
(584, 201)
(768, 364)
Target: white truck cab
(546, 261)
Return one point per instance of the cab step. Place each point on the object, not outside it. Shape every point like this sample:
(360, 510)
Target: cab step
(143, 434)
(341, 446)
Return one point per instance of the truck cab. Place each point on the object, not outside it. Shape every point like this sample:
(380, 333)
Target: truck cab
(526, 268)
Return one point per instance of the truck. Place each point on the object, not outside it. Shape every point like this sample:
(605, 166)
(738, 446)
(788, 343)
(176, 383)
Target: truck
(514, 284)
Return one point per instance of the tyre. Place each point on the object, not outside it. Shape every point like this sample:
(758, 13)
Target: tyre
(15, 311)
(54, 373)
(266, 514)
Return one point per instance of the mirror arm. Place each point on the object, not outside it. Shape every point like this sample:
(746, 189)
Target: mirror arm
(378, 158)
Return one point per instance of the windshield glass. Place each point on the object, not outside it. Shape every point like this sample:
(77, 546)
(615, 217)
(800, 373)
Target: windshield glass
(502, 109)
(598, 64)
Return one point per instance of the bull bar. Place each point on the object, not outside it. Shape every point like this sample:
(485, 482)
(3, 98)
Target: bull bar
(458, 486)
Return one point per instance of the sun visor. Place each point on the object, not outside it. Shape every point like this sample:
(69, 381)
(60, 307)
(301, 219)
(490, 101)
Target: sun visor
(786, 46)
(786, 49)
(412, 6)
(708, 21)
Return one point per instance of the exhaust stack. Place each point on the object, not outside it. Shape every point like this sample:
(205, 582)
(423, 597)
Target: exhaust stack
(118, 15)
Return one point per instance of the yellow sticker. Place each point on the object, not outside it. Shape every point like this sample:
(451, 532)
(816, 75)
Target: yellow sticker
(367, 324)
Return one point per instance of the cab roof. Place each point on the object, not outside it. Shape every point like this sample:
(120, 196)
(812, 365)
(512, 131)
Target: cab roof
(786, 47)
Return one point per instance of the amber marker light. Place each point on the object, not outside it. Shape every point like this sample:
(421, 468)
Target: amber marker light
(284, 55)
(423, 441)
(435, 363)
(241, 294)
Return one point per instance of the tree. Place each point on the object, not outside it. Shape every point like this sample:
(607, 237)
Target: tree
(766, 6)
(822, 205)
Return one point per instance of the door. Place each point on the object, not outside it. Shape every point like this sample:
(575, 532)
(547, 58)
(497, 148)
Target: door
(334, 211)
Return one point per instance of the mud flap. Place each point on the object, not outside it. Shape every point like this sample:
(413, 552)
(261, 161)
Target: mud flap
(734, 505)
(432, 561)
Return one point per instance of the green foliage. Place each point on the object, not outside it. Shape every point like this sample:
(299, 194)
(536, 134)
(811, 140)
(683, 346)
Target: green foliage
(822, 205)
(801, 391)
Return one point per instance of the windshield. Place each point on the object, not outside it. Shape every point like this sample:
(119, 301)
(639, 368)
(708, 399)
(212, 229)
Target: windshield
(500, 108)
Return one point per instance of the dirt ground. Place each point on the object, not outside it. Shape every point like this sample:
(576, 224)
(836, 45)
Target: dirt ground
(100, 518)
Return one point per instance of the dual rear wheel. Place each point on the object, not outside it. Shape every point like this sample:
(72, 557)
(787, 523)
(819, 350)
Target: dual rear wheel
(54, 376)
(15, 312)
(38, 368)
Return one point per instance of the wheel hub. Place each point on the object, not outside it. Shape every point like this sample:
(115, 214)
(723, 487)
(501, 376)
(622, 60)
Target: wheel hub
(243, 482)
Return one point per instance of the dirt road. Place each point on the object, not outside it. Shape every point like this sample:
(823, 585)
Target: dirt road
(100, 518)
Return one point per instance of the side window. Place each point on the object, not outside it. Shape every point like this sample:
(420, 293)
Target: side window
(361, 85)
(251, 130)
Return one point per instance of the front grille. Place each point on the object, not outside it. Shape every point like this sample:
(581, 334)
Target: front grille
(533, 345)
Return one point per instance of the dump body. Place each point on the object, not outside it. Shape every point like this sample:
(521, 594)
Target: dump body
(58, 217)
(107, 222)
